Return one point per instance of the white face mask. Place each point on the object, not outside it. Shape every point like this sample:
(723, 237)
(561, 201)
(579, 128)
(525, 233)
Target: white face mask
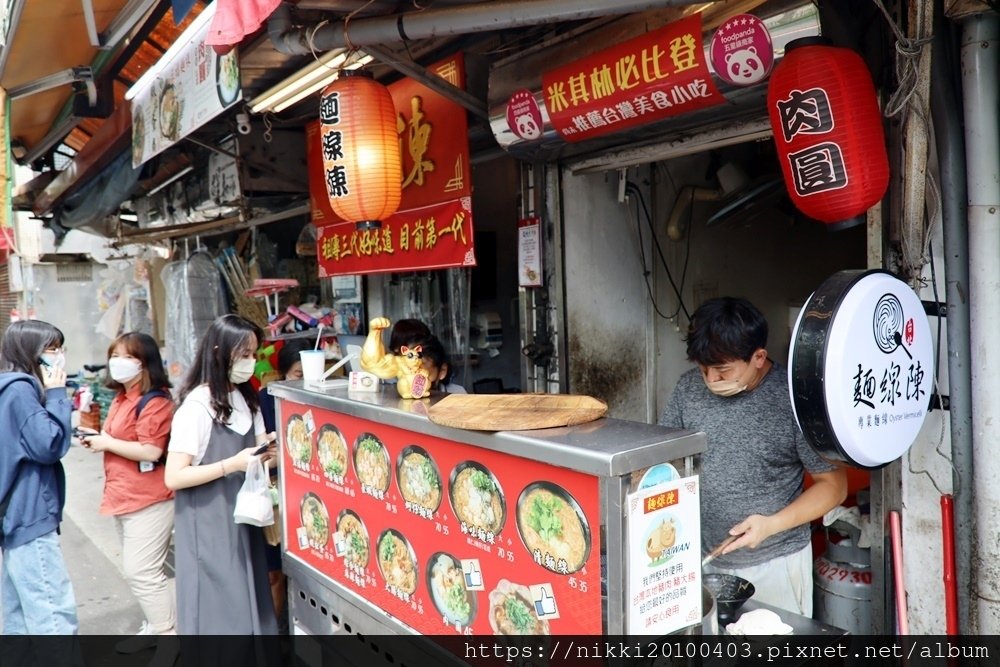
(57, 360)
(242, 370)
(123, 370)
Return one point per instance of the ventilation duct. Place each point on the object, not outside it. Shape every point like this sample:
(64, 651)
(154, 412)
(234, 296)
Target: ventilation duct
(743, 112)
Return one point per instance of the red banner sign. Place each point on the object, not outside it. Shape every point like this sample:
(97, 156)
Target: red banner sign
(421, 239)
(433, 138)
(446, 537)
(658, 74)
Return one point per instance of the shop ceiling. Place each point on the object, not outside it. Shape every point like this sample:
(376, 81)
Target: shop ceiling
(120, 39)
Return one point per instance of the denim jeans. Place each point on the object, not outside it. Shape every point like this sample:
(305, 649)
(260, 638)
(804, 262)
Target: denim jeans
(37, 593)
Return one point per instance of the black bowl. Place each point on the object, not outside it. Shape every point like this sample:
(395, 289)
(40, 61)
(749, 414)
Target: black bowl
(730, 593)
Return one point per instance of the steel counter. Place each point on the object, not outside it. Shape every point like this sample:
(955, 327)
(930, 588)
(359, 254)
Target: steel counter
(598, 463)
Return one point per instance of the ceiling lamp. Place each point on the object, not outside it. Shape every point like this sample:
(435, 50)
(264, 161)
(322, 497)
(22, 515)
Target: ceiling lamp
(828, 131)
(312, 78)
(362, 165)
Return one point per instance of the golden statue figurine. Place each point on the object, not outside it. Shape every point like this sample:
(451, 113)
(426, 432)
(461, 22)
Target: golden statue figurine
(412, 379)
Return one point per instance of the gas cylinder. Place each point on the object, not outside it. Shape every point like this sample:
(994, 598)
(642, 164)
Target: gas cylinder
(842, 594)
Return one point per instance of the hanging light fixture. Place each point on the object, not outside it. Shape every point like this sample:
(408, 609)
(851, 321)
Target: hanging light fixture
(828, 131)
(362, 164)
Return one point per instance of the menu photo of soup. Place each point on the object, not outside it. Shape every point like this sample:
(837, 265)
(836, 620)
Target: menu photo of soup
(397, 563)
(332, 450)
(419, 481)
(553, 527)
(371, 463)
(298, 441)
(351, 540)
(448, 589)
(477, 500)
(315, 528)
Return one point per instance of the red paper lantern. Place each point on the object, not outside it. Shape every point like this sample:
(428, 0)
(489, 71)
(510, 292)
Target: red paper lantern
(362, 165)
(828, 130)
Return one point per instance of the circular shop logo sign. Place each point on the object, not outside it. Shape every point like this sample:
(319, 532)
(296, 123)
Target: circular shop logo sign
(861, 368)
(524, 118)
(741, 51)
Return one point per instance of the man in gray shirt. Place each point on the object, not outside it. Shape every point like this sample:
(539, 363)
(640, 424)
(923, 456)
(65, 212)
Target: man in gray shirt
(752, 469)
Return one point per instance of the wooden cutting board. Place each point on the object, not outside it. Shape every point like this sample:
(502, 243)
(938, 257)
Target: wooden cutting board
(515, 412)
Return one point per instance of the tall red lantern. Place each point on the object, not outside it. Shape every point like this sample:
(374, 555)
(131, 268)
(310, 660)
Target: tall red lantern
(828, 130)
(362, 164)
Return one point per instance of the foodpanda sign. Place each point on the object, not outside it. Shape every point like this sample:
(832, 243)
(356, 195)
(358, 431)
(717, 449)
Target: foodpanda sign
(861, 368)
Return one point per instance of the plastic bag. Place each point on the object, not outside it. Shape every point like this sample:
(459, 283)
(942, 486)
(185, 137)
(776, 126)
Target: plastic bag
(272, 533)
(253, 502)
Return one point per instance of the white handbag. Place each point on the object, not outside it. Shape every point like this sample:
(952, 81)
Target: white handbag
(253, 502)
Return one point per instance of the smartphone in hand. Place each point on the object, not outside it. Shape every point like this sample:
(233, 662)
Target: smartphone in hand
(263, 448)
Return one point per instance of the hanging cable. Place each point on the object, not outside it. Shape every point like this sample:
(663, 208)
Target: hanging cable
(642, 261)
(632, 187)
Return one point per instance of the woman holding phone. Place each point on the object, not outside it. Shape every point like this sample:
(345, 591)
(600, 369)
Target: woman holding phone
(222, 585)
(35, 431)
(133, 440)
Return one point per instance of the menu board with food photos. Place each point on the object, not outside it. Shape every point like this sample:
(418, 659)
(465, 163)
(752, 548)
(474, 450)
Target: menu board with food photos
(444, 536)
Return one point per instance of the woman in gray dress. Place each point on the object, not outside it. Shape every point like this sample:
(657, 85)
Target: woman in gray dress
(222, 586)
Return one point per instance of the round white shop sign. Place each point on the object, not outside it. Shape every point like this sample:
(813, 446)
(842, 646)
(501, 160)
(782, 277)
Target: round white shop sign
(861, 368)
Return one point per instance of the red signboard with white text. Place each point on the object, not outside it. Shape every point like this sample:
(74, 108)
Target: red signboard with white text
(658, 74)
(444, 536)
(433, 139)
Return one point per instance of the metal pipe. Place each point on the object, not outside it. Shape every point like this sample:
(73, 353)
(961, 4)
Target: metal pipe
(896, 533)
(948, 563)
(460, 20)
(951, 170)
(980, 44)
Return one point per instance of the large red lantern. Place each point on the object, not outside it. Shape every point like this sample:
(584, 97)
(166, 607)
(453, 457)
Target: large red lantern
(362, 164)
(828, 130)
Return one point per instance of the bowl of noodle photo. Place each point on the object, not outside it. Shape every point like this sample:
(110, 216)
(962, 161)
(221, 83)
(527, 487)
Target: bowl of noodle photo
(476, 497)
(550, 520)
(418, 478)
(332, 450)
(371, 462)
(352, 529)
(227, 78)
(396, 561)
(446, 582)
(298, 442)
(315, 519)
(513, 613)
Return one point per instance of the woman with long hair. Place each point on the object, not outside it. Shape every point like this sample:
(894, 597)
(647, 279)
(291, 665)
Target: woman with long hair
(222, 585)
(35, 431)
(134, 437)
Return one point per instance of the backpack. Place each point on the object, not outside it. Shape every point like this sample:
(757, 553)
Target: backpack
(146, 398)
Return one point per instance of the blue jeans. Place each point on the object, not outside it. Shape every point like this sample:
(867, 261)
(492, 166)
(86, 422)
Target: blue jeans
(37, 593)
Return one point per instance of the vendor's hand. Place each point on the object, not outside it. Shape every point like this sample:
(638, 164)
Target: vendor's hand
(752, 531)
(98, 443)
(378, 324)
(53, 378)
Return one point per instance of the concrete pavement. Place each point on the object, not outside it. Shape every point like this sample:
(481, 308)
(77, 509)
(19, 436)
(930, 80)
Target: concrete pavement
(90, 544)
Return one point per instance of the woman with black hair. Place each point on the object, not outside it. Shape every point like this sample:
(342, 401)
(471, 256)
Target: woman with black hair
(133, 439)
(35, 431)
(221, 581)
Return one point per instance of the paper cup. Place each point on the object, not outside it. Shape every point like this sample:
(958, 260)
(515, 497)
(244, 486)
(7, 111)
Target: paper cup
(313, 365)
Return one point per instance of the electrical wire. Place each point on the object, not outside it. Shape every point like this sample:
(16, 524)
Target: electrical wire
(642, 261)
(632, 187)
(957, 480)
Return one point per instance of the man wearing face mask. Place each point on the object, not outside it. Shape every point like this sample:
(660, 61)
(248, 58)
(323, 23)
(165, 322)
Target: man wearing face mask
(753, 466)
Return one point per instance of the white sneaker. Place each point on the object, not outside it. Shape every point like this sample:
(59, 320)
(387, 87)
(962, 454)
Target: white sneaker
(142, 640)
